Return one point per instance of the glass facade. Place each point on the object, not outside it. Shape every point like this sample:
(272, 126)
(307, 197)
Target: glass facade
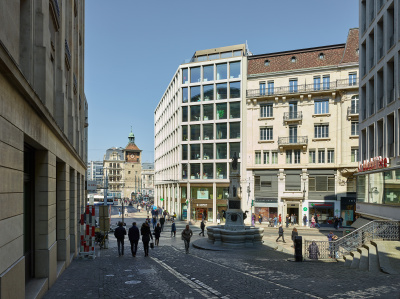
(222, 91)
(234, 90)
(234, 71)
(234, 110)
(195, 95)
(208, 73)
(208, 132)
(208, 92)
(208, 112)
(222, 71)
(221, 111)
(194, 74)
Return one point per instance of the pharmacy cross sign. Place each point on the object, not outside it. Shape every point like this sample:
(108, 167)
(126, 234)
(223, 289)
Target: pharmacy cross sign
(391, 196)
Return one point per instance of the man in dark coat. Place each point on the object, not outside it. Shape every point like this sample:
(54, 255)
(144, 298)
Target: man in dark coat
(281, 234)
(162, 221)
(134, 236)
(202, 226)
(120, 233)
(146, 236)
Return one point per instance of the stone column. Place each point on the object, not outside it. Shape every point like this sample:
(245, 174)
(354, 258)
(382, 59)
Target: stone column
(215, 209)
(189, 206)
(73, 217)
(62, 203)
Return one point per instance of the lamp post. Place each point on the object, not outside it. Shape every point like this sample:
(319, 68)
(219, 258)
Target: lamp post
(304, 198)
(248, 199)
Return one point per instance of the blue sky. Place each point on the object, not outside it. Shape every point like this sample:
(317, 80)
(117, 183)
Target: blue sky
(133, 48)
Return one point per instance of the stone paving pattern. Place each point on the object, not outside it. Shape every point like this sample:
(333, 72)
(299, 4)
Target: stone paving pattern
(241, 273)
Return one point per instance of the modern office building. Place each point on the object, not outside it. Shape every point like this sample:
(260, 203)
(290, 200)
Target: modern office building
(95, 172)
(378, 181)
(43, 142)
(122, 167)
(302, 131)
(198, 127)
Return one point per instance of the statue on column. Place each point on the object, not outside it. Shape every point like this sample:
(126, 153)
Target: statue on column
(234, 161)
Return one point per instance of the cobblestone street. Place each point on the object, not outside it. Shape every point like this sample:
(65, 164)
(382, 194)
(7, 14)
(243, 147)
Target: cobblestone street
(243, 273)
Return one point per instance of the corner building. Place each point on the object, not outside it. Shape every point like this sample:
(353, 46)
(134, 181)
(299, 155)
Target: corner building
(378, 187)
(198, 128)
(43, 142)
(302, 132)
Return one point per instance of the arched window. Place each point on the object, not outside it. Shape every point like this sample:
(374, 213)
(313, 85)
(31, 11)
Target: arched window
(354, 104)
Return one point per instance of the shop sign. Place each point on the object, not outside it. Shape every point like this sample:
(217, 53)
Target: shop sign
(373, 163)
(201, 205)
(322, 204)
(305, 209)
(266, 200)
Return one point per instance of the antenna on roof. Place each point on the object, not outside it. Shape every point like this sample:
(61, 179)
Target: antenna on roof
(248, 53)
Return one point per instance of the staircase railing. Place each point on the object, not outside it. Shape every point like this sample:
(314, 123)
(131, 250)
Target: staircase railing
(374, 230)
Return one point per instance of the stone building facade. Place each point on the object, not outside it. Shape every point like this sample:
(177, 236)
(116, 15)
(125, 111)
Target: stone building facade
(43, 142)
(302, 131)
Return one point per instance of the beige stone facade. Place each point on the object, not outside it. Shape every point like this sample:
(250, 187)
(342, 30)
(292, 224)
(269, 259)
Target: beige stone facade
(43, 141)
(302, 131)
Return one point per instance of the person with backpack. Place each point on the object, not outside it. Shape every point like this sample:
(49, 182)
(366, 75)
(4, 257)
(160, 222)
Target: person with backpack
(120, 233)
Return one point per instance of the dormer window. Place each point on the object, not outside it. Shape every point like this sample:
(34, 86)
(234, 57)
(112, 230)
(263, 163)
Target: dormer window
(293, 59)
(357, 51)
(266, 62)
(321, 56)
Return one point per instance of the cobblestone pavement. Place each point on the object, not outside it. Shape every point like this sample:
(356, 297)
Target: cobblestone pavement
(170, 273)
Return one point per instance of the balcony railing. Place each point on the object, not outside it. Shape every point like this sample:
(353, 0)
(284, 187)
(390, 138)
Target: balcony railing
(294, 140)
(288, 116)
(302, 88)
(354, 110)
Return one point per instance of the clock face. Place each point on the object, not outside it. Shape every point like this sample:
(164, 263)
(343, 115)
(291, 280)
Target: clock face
(132, 156)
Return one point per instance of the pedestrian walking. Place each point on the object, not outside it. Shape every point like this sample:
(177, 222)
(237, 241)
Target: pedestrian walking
(219, 219)
(294, 235)
(253, 220)
(186, 235)
(336, 222)
(157, 234)
(259, 218)
(173, 229)
(146, 236)
(305, 220)
(292, 219)
(126, 212)
(202, 226)
(119, 212)
(313, 251)
(275, 221)
(162, 221)
(280, 219)
(316, 221)
(287, 221)
(340, 221)
(134, 236)
(139, 207)
(120, 233)
(154, 221)
(312, 221)
(280, 232)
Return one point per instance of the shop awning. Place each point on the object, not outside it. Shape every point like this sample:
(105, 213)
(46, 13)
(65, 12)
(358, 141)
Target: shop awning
(360, 222)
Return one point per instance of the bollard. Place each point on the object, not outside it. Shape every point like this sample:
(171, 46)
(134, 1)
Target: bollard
(298, 249)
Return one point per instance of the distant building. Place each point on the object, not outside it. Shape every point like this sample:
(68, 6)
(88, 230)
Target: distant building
(378, 181)
(302, 131)
(43, 138)
(147, 185)
(95, 172)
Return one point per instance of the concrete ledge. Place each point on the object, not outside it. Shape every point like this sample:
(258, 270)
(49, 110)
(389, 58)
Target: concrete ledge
(60, 267)
(356, 260)
(363, 259)
(388, 256)
(348, 260)
(373, 263)
(36, 288)
(204, 244)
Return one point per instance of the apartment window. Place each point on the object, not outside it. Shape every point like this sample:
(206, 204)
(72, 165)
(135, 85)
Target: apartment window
(129, 172)
(355, 104)
(234, 130)
(354, 128)
(258, 157)
(266, 134)
(222, 71)
(222, 91)
(326, 82)
(321, 156)
(234, 110)
(184, 151)
(289, 157)
(354, 154)
(234, 90)
(293, 59)
(208, 92)
(195, 95)
(311, 156)
(321, 183)
(266, 110)
(274, 157)
(208, 73)
(208, 112)
(266, 157)
(184, 114)
(208, 151)
(321, 56)
(222, 111)
(221, 150)
(352, 79)
(297, 157)
(270, 87)
(293, 85)
(184, 133)
(262, 88)
(321, 106)
(267, 62)
(234, 70)
(321, 131)
(331, 156)
(317, 83)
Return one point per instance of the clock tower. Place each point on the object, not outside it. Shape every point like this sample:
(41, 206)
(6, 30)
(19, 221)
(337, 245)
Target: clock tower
(132, 186)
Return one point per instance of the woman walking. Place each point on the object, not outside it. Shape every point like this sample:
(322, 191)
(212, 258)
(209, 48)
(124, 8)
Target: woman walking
(146, 236)
(312, 222)
(157, 233)
(294, 235)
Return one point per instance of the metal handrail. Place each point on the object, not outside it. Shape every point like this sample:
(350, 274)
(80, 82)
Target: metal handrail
(374, 230)
(353, 110)
(293, 140)
(292, 115)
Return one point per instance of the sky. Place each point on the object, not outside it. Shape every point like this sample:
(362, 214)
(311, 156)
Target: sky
(133, 49)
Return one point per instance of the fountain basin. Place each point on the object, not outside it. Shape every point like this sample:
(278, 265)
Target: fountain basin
(247, 237)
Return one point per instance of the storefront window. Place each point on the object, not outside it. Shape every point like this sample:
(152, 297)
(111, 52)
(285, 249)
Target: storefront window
(392, 188)
(234, 90)
(184, 152)
(221, 131)
(222, 91)
(234, 70)
(208, 171)
(194, 74)
(234, 147)
(194, 171)
(185, 77)
(184, 133)
(221, 171)
(208, 92)
(222, 71)
(184, 192)
(194, 113)
(201, 192)
(234, 110)
(234, 130)
(208, 73)
(221, 151)
(325, 212)
(195, 95)
(221, 111)
(195, 152)
(208, 151)
(375, 188)
(222, 192)
(184, 114)
(208, 112)
(185, 95)
(195, 132)
(208, 132)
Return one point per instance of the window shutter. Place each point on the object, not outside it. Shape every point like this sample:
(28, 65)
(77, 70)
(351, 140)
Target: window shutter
(311, 184)
(331, 184)
(257, 183)
(293, 182)
(321, 183)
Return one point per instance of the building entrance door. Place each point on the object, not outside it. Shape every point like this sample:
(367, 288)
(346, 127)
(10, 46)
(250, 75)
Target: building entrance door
(293, 209)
